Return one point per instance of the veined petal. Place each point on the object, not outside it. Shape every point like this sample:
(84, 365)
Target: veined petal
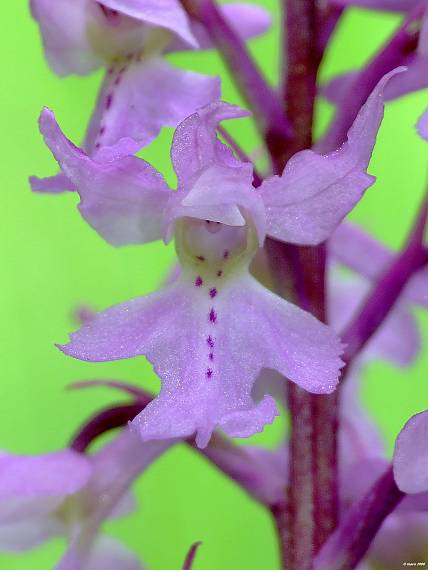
(315, 192)
(138, 98)
(51, 475)
(230, 331)
(123, 200)
(63, 28)
(362, 253)
(411, 455)
(167, 14)
(196, 145)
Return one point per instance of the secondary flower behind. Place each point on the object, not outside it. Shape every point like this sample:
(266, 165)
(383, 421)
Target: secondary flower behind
(141, 91)
(210, 332)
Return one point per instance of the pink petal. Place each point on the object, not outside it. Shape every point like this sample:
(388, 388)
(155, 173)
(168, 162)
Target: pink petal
(110, 554)
(398, 338)
(411, 455)
(123, 200)
(28, 533)
(167, 14)
(315, 192)
(362, 253)
(208, 370)
(51, 475)
(196, 145)
(64, 33)
(52, 184)
(422, 126)
(137, 99)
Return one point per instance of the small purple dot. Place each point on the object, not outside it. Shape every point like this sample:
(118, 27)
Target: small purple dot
(209, 373)
(117, 80)
(226, 254)
(219, 273)
(109, 101)
(210, 341)
(110, 70)
(98, 145)
(198, 281)
(200, 257)
(212, 316)
(213, 292)
(102, 130)
(211, 356)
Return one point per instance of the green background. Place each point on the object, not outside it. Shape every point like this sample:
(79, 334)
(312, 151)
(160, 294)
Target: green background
(51, 261)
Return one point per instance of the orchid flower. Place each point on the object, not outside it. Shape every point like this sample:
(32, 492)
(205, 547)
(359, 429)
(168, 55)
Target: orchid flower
(232, 327)
(66, 493)
(141, 91)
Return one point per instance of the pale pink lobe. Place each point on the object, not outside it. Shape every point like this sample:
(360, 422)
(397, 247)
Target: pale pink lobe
(422, 125)
(358, 250)
(315, 192)
(252, 329)
(138, 98)
(63, 28)
(122, 199)
(168, 14)
(411, 455)
(397, 339)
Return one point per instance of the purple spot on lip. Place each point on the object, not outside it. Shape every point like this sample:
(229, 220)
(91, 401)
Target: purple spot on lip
(213, 292)
(117, 80)
(219, 273)
(211, 356)
(102, 130)
(109, 101)
(226, 254)
(210, 341)
(98, 145)
(200, 257)
(209, 373)
(212, 316)
(198, 281)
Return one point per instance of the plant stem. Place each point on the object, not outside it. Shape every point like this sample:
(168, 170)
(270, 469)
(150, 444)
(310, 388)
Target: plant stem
(347, 546)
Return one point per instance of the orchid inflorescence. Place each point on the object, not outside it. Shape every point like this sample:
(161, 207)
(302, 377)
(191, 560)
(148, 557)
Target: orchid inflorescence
(258, 315)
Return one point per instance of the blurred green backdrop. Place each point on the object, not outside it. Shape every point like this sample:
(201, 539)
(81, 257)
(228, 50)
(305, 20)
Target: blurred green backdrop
(51, 261)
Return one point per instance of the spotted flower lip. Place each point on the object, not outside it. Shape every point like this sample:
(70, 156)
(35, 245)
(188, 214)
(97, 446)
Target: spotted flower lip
(141, 91)
(232, 327)
(69, 494)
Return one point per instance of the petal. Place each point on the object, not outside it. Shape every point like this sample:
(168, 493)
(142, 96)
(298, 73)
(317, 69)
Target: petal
(233, 199)
(28, 533)
(208, 370)
(167, 14)
(138, 98)
(411, 455)
(63, 28)
(110, 554)
(315, 192)
(196, 145)
(362, 253)
(397, 339)
(422, 126)
(123, 200)
(51, 475)
(401, 538)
